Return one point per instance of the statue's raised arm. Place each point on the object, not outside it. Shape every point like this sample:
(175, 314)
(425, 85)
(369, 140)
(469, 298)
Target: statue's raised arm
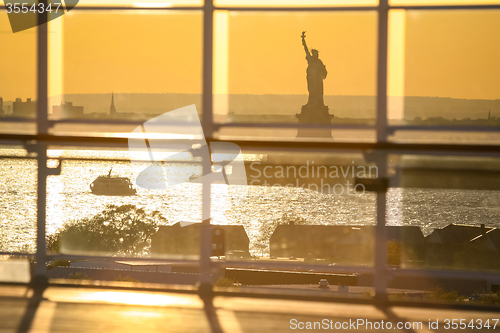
(308, 54)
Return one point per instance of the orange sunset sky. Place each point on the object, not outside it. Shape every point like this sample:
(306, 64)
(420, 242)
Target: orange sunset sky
(444, 53)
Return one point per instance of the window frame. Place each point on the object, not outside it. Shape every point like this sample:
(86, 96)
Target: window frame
(382, 147)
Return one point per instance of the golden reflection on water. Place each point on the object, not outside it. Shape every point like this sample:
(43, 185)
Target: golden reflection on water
(69, 198)
(258, 209)
(17, 202)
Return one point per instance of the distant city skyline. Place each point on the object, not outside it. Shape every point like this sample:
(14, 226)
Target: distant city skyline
(356, 107)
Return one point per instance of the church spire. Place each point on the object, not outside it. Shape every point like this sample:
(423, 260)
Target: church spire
(112, 109)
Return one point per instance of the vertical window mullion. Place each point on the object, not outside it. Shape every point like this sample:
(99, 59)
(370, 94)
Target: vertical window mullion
(207, 121)
(380, 280)
(42, 129)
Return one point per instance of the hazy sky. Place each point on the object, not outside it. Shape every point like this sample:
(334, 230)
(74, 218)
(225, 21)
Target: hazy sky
(126, 52)
(448, 53)
(18, 61)
(266, 55)
(453, 54)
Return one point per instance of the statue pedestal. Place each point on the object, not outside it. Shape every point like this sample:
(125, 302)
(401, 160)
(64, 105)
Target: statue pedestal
(318, 115)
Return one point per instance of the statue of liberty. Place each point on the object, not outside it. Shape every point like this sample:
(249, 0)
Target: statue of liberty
(315, 111)
(316, 73)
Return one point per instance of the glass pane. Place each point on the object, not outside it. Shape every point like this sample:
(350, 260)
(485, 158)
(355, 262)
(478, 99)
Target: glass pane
(99, 208)
(131, 66)
(443, 69)
(18, 77)
(454, 200)
(444, 216)
(261, 73)
(300, 208)
(102, 184)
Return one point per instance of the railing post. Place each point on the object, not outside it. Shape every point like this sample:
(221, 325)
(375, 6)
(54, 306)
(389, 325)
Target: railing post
(207, 123)
(380, 281)
(383, 18)
(40, 278)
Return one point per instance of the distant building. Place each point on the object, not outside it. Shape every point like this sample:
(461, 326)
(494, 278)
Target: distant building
(490, 117)
(112, 109)
(412, 241)
(67, 110)
(347, 244)
(444, 244)
(24, 109)
(183, 239)
(321, 241)
(489, 239)
(1, 106)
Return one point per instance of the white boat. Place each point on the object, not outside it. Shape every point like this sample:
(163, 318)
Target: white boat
(112, 185)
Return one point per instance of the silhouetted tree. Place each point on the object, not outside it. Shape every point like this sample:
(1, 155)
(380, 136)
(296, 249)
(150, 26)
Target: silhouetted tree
(124, 230)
